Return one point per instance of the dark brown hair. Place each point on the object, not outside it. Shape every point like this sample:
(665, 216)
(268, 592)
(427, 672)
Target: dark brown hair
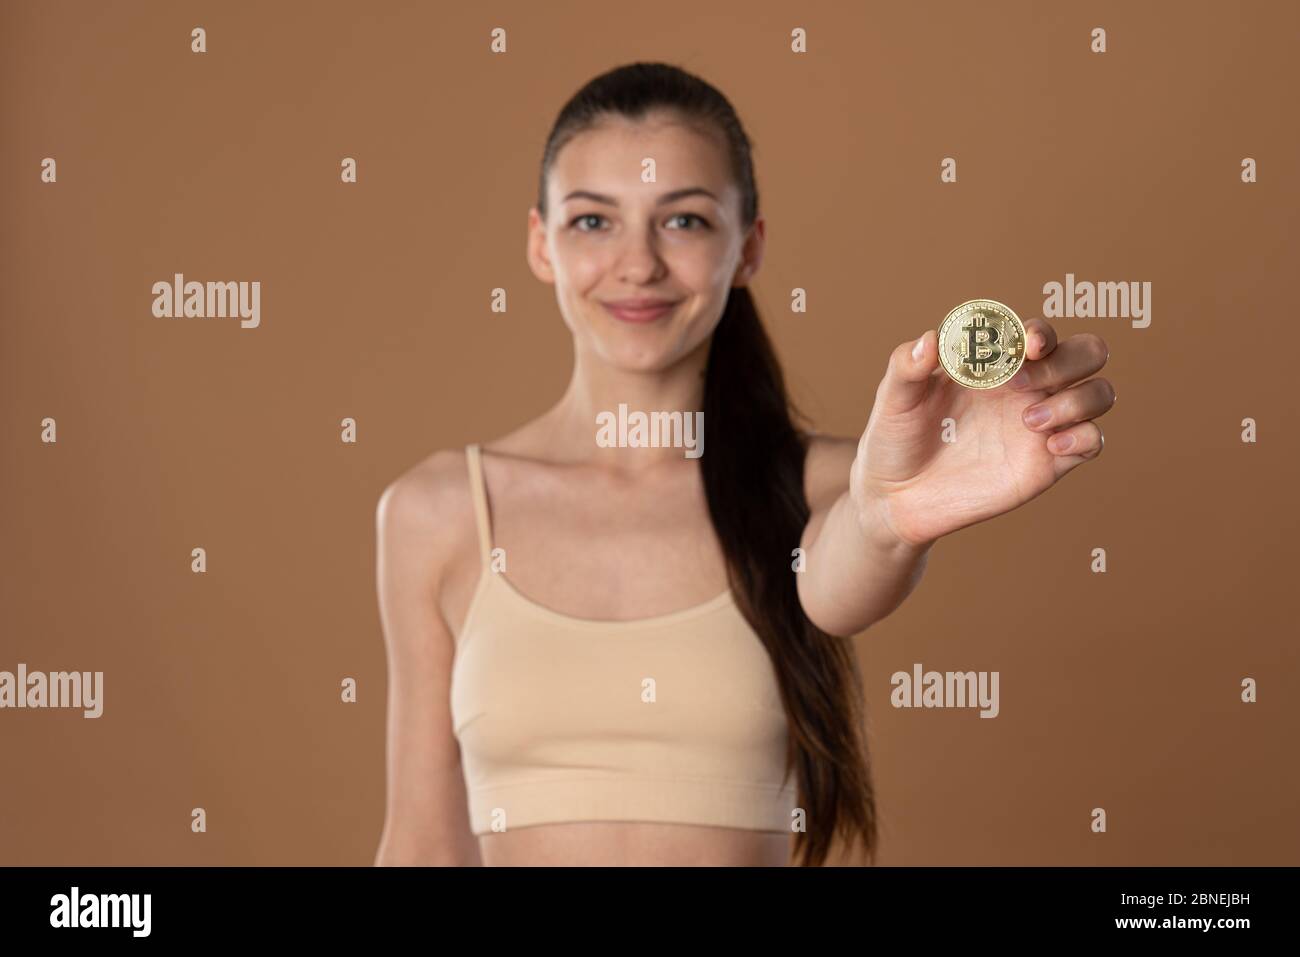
(753, 479)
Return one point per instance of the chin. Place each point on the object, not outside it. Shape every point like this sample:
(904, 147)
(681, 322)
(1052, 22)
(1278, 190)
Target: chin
(637, 357)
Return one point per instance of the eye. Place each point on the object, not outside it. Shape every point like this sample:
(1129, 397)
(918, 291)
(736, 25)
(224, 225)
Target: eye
(704, 222)
(578, 219)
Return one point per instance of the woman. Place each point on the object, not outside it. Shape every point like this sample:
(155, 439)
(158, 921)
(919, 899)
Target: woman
(618, 654)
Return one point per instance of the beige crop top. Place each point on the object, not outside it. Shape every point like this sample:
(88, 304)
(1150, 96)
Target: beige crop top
(674, 718)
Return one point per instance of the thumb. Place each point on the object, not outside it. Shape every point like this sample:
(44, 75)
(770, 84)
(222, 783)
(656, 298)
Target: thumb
(907, 379)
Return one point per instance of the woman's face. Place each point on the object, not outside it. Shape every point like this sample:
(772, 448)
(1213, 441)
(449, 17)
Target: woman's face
(611, 237)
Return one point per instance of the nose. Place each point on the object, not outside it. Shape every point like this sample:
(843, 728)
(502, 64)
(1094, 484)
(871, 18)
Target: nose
(639, 261)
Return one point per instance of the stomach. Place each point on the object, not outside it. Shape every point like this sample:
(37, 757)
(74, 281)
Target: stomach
(634, 844)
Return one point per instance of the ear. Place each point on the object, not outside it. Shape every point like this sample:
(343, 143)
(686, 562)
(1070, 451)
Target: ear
(751, 253)
(538, 256)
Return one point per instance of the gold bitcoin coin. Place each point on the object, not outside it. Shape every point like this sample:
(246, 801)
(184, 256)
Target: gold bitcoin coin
(981, 344)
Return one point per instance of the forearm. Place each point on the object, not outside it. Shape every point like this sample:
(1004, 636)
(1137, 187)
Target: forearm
(856, 570)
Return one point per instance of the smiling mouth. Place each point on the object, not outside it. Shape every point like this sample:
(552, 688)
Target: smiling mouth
(639, 313)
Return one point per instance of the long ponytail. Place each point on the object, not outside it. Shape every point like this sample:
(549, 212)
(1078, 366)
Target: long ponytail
(754, 481)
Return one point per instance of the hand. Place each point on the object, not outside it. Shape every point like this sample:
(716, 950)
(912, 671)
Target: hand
(923, 488)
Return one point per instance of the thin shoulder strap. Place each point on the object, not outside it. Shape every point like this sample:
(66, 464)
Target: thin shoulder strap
(478, 488)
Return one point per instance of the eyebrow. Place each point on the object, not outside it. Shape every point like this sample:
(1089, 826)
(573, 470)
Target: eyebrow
(661, 201)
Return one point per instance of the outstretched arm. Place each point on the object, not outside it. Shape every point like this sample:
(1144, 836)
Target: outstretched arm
(936, 457)
(856, 570)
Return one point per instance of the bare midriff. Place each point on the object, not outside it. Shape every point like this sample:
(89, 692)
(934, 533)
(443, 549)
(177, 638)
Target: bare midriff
(637, 844)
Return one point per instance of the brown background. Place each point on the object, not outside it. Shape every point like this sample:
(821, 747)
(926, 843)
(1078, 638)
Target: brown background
(222, 690)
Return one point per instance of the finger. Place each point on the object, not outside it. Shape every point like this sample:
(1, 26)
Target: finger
(1081, 402)
(1074, 446)
(909, 375)
(1076, 358)
(1040, 338)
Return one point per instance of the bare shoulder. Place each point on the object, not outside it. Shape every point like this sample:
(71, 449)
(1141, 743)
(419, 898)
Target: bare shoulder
(425, 516)
(428, 493)
(826, 469)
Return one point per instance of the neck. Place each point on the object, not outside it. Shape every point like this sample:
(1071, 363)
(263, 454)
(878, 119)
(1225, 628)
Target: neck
(596, 387)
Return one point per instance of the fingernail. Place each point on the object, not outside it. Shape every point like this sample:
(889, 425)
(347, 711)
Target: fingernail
(1020, 380)
(1038, 341)
(919, 347)
(1036, 416)
(1061, 443)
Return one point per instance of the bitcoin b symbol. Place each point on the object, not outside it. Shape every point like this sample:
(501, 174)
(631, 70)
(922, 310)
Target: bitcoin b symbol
(981, 344)
(982, 349)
